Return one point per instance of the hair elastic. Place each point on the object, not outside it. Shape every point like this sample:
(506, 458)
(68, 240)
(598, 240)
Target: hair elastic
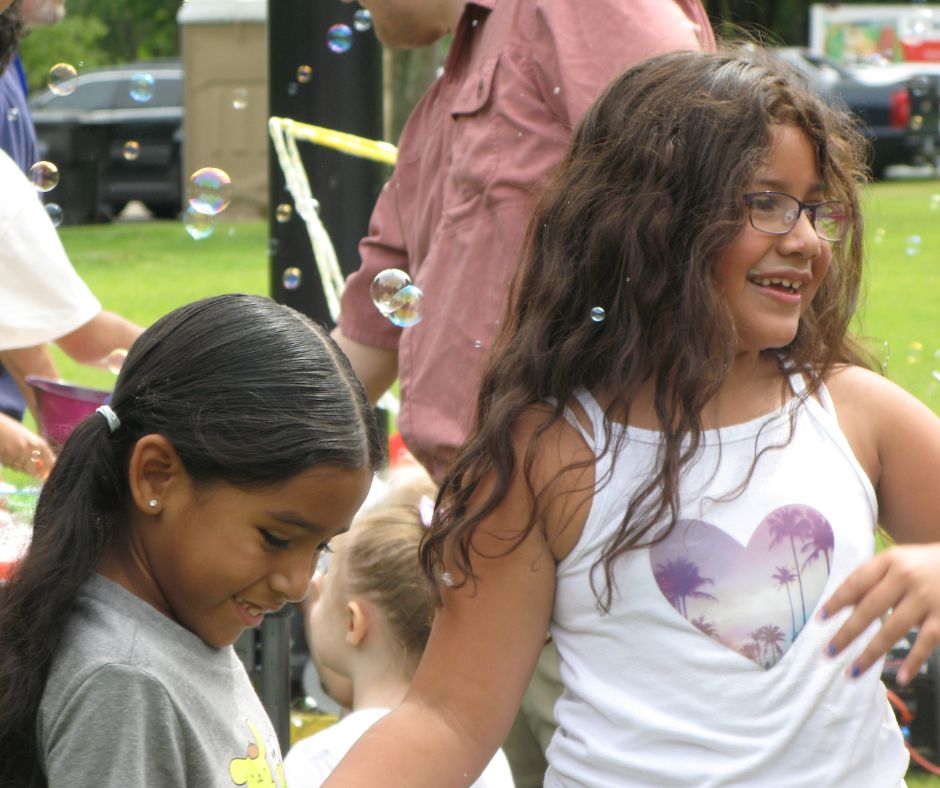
(110, 416)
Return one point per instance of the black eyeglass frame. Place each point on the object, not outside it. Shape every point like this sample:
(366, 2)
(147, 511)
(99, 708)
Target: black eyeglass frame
(809, 207)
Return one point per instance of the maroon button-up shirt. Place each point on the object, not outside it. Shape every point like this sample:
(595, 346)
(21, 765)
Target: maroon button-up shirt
(471, 161)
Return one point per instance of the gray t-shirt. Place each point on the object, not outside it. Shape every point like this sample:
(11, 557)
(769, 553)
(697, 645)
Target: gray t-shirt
(134, 699)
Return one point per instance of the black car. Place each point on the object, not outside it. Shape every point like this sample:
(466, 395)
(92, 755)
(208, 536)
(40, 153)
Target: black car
(117, 137)
(884, 110)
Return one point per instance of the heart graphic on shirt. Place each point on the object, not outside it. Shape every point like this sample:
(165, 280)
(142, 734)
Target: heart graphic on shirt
(753, 599)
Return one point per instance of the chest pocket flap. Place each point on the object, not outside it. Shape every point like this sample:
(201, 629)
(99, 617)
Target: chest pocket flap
(475, 92)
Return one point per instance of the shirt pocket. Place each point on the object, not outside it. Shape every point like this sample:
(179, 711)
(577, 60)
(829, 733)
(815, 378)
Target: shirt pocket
(474, 150)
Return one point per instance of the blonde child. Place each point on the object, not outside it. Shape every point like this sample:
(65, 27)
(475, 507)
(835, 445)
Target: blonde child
(678, 464)
(368, 619)
(238, 442)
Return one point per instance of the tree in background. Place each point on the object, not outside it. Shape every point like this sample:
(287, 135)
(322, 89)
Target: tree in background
(102, 32)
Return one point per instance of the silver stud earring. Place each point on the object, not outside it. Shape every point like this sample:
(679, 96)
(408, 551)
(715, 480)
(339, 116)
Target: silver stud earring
(152, 503)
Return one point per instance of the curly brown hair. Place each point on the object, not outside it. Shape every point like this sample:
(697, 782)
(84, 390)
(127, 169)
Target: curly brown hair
(634, 220)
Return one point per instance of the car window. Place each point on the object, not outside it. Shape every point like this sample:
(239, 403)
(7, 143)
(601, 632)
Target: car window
(166, 91)
(89, 94)
(115, 92)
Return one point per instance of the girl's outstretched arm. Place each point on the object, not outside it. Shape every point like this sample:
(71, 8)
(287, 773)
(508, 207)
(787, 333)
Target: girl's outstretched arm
(485, 642)
(897, 440)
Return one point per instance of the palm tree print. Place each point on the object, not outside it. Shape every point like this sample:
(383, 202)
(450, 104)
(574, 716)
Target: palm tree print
(784, 577)
(705, 627)
(818, 538)
(788, 523)
(680, 580)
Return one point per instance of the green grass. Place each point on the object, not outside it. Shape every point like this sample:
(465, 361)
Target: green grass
(143, 270)
(903, 290)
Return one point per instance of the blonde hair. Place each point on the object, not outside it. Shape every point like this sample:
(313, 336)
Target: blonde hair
(381, 561)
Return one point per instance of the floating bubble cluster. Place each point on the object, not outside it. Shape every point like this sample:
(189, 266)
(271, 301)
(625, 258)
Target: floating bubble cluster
(339, 38)
(291, 278)
(362, 20)
(44, 175)
(142, 87)
(63, 79)
(131, 150)
(198, 225)
(54, 211)
(209, 191)
(397, 298)
(283, 212)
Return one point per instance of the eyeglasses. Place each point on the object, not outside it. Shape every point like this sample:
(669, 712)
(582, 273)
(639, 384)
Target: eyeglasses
(777, 213)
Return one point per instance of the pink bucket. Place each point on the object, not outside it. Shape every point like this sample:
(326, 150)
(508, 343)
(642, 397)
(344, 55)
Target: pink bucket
(63, 405)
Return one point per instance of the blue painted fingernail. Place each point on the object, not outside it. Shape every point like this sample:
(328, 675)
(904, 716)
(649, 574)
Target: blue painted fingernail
(831, 649)
(856, 671)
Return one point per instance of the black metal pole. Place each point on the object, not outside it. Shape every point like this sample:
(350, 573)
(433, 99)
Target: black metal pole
(342, 91)
(311, 83)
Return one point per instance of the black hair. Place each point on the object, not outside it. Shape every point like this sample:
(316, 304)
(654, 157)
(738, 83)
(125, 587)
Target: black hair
(11, 30)
(248, 391)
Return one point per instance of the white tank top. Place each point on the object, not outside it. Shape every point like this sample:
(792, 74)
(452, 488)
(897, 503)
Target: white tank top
(709, 669)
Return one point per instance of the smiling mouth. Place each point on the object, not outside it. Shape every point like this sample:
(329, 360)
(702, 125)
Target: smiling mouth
(776, 283)
(252, 610)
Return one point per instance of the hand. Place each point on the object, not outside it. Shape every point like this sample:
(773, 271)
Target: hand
(902, 580)
(23, 450)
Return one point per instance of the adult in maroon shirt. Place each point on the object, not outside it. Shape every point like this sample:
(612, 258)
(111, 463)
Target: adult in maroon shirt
(471, 160)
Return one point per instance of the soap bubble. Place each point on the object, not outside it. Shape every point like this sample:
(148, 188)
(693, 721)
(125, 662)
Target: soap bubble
(198, 225)
(386, 286)
(912, 245)
(239, 98)
(936, 365)
(54, 210)
(142, 85)
(210, 190)
(13, 114)
(880, 235)
(283, 212)
(131, 150)
(362, 20)
(884, 356)
(63, 79)
(915, 352)
(304, 73)
(407, 307)
(115, 360)
(339, 38)
(291, 278)
(44, 175)
(598, 314)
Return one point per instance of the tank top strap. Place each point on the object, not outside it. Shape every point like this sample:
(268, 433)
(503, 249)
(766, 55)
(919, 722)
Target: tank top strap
(595, 436)
(797, 380)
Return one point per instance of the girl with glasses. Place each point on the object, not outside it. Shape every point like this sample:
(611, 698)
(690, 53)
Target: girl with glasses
(679, 461)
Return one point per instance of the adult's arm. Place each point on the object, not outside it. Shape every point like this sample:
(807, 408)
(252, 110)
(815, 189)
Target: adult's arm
(93, 341)
(377, 367)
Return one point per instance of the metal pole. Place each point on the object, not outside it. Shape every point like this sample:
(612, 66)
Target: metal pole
(309, 82)
(339, 90)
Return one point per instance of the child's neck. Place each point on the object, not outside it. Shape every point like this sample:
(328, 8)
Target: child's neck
(378, 681)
